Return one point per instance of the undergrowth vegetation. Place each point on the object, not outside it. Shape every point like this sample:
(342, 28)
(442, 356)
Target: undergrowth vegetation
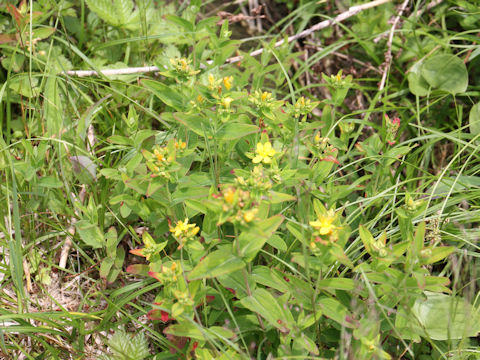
(318, 200)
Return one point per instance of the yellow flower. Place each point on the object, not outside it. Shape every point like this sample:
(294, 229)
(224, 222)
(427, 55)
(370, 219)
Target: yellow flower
(183, 228)
(227, 101)
(324, 224)
(211, 80)
(266, 96)
(227, 81)
(159, 155)
(265, 152)
(229, 195)
(249, 215)
(180, 145)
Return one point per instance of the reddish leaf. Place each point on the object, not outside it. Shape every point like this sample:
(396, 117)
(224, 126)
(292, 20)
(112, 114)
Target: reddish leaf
(157, 314)
(331, 159)
(15, 14)
(6, 38)
(138, 269)
(138, 252)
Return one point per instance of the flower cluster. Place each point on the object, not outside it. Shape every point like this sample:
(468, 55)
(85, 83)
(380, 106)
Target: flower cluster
(237, 206)
(259, 183)
(262, 99)
(324, 150)
(302, 107)
(167, 274)
(325, 230)
(161, 161)
(264, 153)
(151, 248)
(392, 129)
(182, 66)
(184, 232)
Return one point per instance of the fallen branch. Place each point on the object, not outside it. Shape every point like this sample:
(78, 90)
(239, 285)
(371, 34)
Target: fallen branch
(388, 54)
(321, 25)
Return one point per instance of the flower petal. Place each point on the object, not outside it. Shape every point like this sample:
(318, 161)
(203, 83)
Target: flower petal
(257, 159)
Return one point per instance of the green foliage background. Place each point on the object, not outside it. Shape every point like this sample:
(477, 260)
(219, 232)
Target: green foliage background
(279, 207)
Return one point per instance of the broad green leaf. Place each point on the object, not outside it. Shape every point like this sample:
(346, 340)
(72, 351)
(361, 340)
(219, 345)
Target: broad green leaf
(165, 93)
(367, 239)
(190, 193)
(105, 266)
(419, 238)
(437, 254)
(195, 332)
(235, 281)
(263, 303)
(90, 234)
(296, 231)
(277, 242)
(337, 284)
(306, 343)
(416, 82)
(198, 124)
(219, 262)
(446, 72)
(43, 32)
(52, 106)
(49, 182)
(254, 239)
(278, 197)
(442, 317)
(117, 265)
(333, 309)
(111, 242)
(24, 86)
(270, 277)
(474, 119)
(233, 131)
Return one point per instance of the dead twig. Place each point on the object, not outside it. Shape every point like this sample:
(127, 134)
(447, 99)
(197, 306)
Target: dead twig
(321, 25)
(388, 54)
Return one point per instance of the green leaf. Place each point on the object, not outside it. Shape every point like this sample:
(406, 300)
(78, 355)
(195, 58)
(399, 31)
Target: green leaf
(252, 241)
(278, 197)
(277, 242)
(165, 93)
(367, 239)
(270, 277)
(90, 234)
(446, 317)
(198, 124)
(446, 72)
(43, 32)
(233, 131)
(263, 303)
(306, 343)
(335, 310)
(52, 106)
(49, 182)
(111, 239)
(194, 332)
(105, 266)
(416, 83)
(337, 284)
(103, 8)
(219, 262)
(474, 119)
(419, 238)
(438, 254)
